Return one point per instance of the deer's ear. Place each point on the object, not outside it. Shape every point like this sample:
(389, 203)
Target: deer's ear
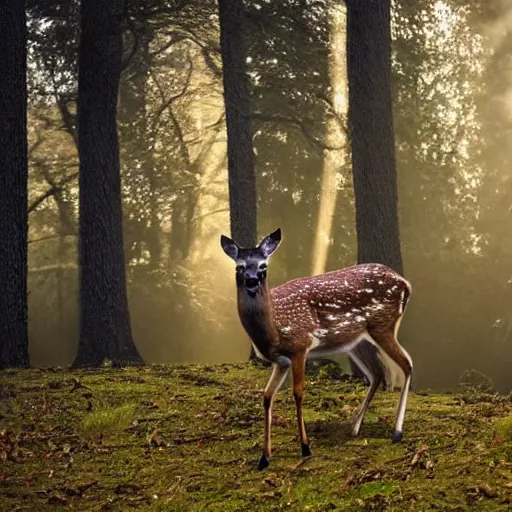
(270, 243)
(229, 246)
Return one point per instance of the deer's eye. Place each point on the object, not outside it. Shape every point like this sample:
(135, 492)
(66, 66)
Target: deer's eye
(240, 268)
(263, 266)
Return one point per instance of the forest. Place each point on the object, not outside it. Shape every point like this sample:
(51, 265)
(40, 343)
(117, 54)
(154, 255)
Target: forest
(450, 69)
(133, 133)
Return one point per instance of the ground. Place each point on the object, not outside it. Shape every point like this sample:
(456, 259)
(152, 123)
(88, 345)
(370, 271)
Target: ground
(188, 438)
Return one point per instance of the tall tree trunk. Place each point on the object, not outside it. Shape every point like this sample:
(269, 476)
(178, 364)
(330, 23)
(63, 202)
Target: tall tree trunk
(372, 137)
(13, 185)
(105, 331)
(242, 179)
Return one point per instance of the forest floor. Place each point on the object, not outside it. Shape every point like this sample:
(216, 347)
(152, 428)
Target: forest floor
(188, 438)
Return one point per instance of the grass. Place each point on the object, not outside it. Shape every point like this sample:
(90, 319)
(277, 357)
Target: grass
(107, 421)
(180, 438)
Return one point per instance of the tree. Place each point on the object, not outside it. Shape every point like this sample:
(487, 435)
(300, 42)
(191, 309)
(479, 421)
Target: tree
(105, 330)
(372, 138)
(13, 185)
(136, 141)
(242, 180)
(241, 176)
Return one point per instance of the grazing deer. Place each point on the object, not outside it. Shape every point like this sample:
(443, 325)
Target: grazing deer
(317, 316)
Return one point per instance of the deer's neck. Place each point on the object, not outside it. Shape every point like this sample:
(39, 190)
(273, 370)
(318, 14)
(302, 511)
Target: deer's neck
(256, 314)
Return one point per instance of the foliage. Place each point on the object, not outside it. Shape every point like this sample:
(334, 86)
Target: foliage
(451, 73)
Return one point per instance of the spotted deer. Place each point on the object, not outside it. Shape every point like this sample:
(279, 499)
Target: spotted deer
(318, 316)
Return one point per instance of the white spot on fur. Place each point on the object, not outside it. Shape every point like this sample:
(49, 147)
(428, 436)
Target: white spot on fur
(401, 305)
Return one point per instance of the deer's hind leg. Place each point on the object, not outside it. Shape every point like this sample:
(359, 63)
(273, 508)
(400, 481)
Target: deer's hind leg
(374, 379)
(387, 341)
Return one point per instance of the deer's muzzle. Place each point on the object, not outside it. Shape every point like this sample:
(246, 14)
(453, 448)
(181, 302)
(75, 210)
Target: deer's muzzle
(251, 283)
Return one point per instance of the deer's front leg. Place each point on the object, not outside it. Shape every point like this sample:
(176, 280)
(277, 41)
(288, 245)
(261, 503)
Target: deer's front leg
(275, 381)
(299, 383)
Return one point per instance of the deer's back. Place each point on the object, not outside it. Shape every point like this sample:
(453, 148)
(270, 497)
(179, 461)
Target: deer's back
(341, 304)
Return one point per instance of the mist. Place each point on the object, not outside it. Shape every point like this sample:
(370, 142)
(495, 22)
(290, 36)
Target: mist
(452, 109)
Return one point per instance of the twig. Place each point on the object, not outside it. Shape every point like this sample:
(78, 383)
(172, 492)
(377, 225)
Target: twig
(78, 385)
(166, 104)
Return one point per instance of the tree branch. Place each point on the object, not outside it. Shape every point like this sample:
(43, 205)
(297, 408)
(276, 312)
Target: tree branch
(301, 125)
(207, 214)
(206, 50)
(49, 237)
(168, 102)
(128, 56)
(55, 189)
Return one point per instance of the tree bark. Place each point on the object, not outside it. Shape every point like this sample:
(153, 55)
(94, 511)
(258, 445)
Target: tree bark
(242, 180)
(241, 175)
(372, 137)
(105, 331)
(13, 185)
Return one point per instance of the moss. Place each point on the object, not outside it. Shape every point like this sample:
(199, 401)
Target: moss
(187, 438)
(504, 427)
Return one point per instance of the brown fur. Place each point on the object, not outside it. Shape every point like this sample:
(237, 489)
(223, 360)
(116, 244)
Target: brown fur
(284, 318)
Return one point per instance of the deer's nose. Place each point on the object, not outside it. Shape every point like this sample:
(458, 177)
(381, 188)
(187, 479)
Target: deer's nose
(251, 282)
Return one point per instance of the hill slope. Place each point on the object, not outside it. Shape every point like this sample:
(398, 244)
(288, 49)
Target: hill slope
(178, 438)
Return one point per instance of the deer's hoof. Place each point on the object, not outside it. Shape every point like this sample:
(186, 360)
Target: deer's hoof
(397, 437)
(264, 462)
(306, 452)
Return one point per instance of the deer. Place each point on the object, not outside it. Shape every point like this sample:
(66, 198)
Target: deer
(318, 316)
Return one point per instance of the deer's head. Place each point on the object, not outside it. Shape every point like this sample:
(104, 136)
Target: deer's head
(251, 263)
